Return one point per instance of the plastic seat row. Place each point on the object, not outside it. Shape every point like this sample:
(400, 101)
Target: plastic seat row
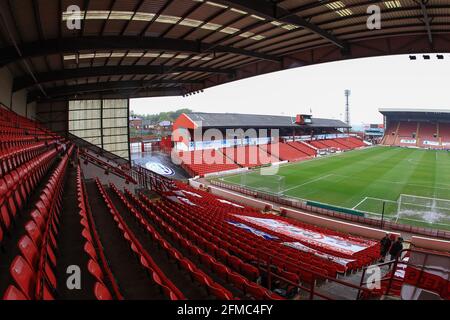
(17, 186)
(211, 262)
(303, 147)
(222, 242)
(285, 152)
(196, 219)
(10, 141)
(157, 276)
(201, 162)
(16, 156)
(33, 270)
(189, 232)
(245, 246)
(196, 273)
(210, 205)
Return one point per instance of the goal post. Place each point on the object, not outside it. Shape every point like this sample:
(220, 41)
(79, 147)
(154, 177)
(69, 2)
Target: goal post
(430, 210)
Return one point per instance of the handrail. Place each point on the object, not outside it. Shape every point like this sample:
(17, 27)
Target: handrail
(118, 171)
(98, 150)
(396, 262)
(151, 180)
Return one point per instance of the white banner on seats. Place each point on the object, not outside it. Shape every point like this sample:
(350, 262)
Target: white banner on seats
(408, 141)
(230, 203)
(183, 192)
(343, 262)
(333, 243)
(257, 232)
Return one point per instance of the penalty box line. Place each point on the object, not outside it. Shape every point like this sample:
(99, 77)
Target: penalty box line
(372, 198)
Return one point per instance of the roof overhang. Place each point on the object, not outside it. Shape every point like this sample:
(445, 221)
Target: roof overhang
(416, 114)
(199, 44)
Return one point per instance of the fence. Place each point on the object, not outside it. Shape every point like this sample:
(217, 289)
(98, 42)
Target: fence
(302, 205)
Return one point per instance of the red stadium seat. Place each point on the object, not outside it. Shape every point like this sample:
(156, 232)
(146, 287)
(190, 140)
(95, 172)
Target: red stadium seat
(12, 293)
(90, 250)
(259, 293)
(101, 292)
(95, 270)
(24, 276)
(28, 250)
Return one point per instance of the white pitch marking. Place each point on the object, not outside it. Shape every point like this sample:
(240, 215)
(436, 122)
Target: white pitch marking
(307, 182)
(360, 203)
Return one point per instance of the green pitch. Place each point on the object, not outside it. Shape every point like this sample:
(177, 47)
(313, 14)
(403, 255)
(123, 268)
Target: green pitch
(365, 179)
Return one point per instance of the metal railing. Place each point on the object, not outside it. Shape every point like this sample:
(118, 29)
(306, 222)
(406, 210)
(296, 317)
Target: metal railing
(390, 276)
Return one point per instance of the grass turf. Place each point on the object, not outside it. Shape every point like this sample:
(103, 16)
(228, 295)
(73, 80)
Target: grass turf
(363, 180)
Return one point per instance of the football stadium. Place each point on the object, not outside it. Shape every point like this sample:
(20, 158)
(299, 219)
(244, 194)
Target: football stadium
(216, 205)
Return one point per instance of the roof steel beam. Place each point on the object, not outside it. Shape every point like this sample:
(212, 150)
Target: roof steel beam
(272, 12)
(426, 19)
(107, 86)
(73, 45)
(67, 74)
(112, 94)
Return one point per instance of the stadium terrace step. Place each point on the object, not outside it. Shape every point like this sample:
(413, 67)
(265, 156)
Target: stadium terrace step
(186, 247)
(201, 162)
(285, 152)
(71, 245)
(131, 277)
(303, 147)
(179, 277)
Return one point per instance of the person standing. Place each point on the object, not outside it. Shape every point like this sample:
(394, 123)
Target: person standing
(396, 248)
(385, 245)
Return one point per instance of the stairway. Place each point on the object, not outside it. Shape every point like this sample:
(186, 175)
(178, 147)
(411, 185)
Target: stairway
(70, 245)
(179, 277)
(132, 279)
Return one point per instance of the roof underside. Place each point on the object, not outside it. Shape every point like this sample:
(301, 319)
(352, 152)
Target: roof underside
(416, 114)
(139, 48)
(237, 120)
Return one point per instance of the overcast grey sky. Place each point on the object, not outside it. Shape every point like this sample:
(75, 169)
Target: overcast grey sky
(381, 82)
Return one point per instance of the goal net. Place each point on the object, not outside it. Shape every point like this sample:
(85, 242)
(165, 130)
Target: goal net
(264, 183)
(430, 210)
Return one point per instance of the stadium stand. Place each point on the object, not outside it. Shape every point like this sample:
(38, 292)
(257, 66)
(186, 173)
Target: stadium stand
(213, 206)
(391, 133)
(249, 156)
(427, 133)
(444, 134)
(417, 128)
(334, 144)
(304, 147)
(318, 144)
(406, 131)
(285, 152)
(348, 143)
(201, 162)
(351, 142)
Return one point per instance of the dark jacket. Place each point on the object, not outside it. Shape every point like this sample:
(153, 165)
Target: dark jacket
(385, 244)
(396, 248)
